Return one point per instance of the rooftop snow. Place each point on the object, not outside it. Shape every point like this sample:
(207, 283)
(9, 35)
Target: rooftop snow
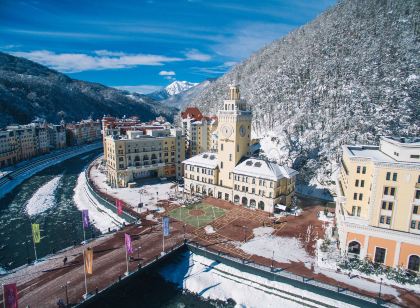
(371, 152)
(206, 160)
(264, 169)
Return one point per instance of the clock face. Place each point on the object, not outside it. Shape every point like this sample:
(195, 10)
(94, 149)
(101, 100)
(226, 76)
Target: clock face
(242, 130)
(227, 131)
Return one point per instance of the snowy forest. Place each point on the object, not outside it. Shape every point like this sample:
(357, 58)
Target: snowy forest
(348, 77)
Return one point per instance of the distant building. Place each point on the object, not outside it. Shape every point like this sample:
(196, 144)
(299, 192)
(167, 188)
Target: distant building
(231, 174)
(200, 131)
(85, 131)
(378, 203)
(57, 136)
(140, 154)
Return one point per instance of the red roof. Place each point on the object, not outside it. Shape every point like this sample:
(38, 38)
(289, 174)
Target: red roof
(192, 112)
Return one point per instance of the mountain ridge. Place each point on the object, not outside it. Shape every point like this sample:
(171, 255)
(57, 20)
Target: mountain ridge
(29, 90)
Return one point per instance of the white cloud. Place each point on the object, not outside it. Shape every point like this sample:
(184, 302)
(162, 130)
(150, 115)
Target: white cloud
(142, 89)
(167, 73)
(249, 38)
(100, 60)
(195, 55)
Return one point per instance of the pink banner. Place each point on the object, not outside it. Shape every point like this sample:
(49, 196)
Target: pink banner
(10, 295)
(128, 244)
(119, 205)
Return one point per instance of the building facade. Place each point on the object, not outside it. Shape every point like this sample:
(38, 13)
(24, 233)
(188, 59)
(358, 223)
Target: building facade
(232, 175)
(85, 131)
(378, 202)
(200, 131)
(138, 154)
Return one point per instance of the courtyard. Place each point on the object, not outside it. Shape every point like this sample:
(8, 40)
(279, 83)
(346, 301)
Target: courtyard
(197, 215)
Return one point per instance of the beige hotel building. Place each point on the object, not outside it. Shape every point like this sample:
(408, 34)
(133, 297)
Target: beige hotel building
(232, 175)
(378, 203)
(141, 154)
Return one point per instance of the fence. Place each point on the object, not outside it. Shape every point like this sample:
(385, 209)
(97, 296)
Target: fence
(109, 205)
(281, 275)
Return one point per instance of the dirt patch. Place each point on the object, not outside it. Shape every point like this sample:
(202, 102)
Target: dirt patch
(196, 212)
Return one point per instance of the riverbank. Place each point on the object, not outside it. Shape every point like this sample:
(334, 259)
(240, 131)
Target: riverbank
(25, 170)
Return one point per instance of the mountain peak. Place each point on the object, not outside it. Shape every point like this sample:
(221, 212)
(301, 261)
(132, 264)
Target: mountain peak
(177, 87)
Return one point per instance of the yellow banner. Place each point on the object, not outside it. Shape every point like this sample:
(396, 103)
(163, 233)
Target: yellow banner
(89, 260)
(36, 234)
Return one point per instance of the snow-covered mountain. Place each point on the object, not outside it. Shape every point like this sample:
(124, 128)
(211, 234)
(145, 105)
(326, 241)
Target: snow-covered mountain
(186, 97)
(29, 90)
(174, 88)
(349, 76)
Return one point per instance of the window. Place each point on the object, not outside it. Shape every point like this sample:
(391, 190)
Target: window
(418, 226)
(237, 148)
(415, 209)
(415, 156)
(357, 183)
(413, 224)
(390, 205)
(364, 170)
(388, 176)
(355, 196)
(359, 209)
(388, 220)
(392, 191)
(394, 176)
(221, 165)
(380, 255)
(382, 219)
(353, 211)
(362, 183)
(230, 157)
(396, 154)
(360, 196)
(358, 169)
(221, 147)
(383, 205)
(417, 194)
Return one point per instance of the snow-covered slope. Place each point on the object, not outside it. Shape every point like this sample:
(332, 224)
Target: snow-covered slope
(174, 88)
(347, 77)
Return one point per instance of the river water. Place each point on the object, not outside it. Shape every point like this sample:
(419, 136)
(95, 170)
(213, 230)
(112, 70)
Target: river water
(47, 199)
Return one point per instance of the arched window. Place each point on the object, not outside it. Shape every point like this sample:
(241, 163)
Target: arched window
(236, 199)
(244, 201)
(261, 205)
(354, 248)
(210, 192)
(414, 263)
(252, 203)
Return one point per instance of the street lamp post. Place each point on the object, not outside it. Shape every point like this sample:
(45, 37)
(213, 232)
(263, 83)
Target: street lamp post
(244, 228)
(67, 293)
(380, 288)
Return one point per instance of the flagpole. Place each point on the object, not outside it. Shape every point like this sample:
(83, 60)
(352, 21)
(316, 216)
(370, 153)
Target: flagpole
(33, 240)
(126, 259)
(84, 269)
(83, 227)
(163, 240)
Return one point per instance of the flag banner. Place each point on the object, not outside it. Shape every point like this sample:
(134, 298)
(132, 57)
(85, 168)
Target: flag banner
(85, 218)
(36, 234)
(10, 295)
(165, 225)
(119, 205)
(89, 260)
(128, 244)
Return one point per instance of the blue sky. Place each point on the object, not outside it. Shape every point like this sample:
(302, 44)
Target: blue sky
(146, 44)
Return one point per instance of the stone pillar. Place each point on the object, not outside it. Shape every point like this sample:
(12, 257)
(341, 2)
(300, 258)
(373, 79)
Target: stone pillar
(364, 250)
(397, 254)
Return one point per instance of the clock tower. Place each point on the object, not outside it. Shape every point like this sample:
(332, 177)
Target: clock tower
(234, 135)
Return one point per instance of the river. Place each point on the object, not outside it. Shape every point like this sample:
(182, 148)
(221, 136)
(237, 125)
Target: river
(47, 199)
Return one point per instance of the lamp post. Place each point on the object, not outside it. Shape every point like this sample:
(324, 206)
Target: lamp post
(244, 228)
(380, 288)
(67, 293)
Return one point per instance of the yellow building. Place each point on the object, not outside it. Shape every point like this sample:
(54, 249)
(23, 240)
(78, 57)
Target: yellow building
(138, 155)
(230, 174)
(378, 203)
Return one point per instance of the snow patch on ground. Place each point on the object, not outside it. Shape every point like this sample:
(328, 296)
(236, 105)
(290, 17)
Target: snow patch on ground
(214, 280)
(209, 229)
(286, 249)
(149, 194)
(100, 216)
(151, 217)
(43, 198)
